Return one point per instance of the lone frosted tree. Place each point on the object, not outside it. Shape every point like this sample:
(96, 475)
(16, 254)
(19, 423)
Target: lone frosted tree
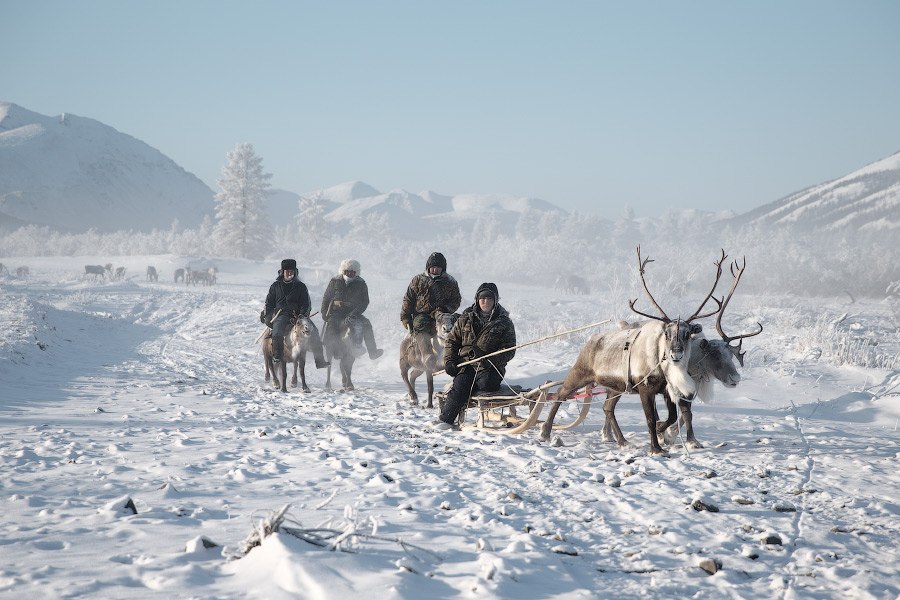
(311, 218)
(242, 227)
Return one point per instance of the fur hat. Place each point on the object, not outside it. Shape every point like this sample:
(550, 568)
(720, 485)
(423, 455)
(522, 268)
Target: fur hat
(348, 264)
(436, 260)
(487, 289)
(289, 263)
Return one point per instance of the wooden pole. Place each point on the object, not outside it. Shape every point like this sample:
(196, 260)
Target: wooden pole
(543, 339)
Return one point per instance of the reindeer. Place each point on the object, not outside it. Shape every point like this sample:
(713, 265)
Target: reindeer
(572, 284)
(199, 276)
(296, 345)
(179, 274)
(23, 272)
(418, 354)
(120, 273)
(710, 359)
(152, 275)
(341, 346)
(94, 271)
(644, 360)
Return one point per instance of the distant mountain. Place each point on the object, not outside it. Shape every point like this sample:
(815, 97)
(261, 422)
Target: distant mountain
(73, 173)
(281, 207)
(866, 199)
(419, 216)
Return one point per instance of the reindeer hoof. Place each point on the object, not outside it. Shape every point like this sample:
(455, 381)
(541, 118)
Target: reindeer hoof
(694, 445)
(305, 389)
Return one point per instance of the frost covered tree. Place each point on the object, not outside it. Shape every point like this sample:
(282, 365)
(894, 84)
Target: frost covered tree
(242, 228)
(311, 218)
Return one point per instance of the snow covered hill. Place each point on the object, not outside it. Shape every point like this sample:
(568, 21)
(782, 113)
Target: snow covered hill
(73, 174)
(423, 215)
(868, 198)
(141, 451)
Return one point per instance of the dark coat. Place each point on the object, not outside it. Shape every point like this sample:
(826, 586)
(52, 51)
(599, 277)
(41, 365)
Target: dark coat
(291, 297)
(345, 299)
(470, 339)
(425, 296)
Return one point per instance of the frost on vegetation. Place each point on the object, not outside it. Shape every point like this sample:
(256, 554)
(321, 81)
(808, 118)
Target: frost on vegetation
(841, 340)
(349, 537)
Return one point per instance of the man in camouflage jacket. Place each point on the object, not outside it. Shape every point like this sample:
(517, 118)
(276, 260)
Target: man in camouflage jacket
(483, 328)
(435, 290)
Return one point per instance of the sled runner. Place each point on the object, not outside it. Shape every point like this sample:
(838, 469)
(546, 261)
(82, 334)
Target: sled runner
(497, 410)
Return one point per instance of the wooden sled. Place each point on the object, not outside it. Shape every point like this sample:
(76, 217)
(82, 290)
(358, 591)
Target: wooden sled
(497, 410)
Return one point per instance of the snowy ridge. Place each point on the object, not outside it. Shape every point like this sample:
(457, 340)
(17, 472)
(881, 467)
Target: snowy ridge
(423, 215)
(73, 173)
(868, 198)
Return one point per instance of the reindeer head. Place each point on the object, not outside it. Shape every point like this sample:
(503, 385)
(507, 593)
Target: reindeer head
(736, 272)
(678, 335)
(301, 329)
(444, 323)
(714, 359)
(678, 332)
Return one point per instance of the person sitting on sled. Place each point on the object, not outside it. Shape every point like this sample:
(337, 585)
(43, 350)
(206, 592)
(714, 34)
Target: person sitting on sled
(483, 328)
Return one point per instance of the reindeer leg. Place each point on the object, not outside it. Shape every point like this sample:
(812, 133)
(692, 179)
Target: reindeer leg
(329, 356)
(294, 377)
(302, 363)
(687, 417)
(611, 431)
(346, 370)
(429, 379)
(578, 377)
(672, 416)
(410, 385)
(648, 401)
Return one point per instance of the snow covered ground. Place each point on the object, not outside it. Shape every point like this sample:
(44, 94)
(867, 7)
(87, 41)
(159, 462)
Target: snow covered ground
(154, 392)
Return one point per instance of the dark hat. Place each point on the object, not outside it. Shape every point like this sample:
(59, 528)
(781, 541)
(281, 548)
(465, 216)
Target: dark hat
(436, 260)
(289, 263)
(487, 290)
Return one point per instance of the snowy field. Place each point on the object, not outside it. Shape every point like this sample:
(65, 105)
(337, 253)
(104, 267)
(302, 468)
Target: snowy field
(154, 393)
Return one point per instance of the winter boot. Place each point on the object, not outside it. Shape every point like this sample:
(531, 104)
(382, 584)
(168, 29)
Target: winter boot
(369, 335)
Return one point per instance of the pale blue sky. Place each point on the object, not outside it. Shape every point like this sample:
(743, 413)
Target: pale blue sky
(589, 105)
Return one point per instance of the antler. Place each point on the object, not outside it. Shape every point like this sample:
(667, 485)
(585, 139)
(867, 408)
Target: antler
(697, 314)
(736, 272)
(665, 318)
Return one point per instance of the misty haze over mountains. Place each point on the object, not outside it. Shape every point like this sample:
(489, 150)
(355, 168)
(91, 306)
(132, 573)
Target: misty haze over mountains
(73, 174)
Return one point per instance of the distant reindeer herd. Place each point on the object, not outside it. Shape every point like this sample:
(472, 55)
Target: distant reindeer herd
(186, 275)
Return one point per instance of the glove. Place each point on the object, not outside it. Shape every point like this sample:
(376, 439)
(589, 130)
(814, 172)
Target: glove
(451, 369)
(262, 316)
